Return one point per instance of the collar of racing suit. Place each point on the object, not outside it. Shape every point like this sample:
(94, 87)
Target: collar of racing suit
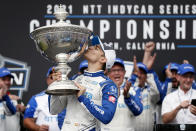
(94, 74)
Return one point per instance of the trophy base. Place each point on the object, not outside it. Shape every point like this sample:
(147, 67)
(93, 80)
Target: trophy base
(64, 87)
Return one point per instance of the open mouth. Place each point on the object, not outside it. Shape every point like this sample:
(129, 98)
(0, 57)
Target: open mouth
(117, 78)
(174, 80)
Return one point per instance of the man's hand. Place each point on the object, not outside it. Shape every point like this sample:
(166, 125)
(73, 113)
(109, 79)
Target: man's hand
(56, 75)
(81, 91)
(43, 128)
(20, 108)
(126, 89)
(14, 97)
(185, 62)
(184, 104)
(149, 47)
(192, 109)
(168, 71)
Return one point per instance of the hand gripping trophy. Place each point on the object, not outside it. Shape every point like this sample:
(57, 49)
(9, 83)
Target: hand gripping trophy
(62, 43)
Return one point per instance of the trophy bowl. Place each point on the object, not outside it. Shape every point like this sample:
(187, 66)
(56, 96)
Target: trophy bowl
(61, 43)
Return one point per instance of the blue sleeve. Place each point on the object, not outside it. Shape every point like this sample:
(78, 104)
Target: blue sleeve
(164, 88)
(9, 104)
(31, 108)
(133, 79)
(105, 112)
(74, 77)
(61, 117)
(194, 85)
(134, 103)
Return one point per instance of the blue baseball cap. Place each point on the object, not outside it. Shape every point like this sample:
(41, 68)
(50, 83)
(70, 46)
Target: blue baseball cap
(5, 72)
(173, 66)
(94, 40)
(142, 66)
(49, 71)
(83, 64)
(119, 61)
(185, 68)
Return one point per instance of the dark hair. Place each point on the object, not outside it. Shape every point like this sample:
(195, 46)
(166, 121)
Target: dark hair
(143, 70)
(82, 69)
(116, 63)
(104, 67)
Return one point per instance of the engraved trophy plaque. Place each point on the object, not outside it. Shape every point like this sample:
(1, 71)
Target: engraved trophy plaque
(61, 43)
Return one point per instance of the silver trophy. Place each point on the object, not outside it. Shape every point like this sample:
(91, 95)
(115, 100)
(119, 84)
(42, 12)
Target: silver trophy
(62, 43)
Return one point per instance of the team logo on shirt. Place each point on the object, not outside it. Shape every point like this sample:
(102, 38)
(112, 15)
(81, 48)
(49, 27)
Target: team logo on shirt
(113, 89)
(88, 95)
(112, 99)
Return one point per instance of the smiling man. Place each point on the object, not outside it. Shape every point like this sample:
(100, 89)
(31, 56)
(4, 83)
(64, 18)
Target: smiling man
(129, 101)
(176, 107)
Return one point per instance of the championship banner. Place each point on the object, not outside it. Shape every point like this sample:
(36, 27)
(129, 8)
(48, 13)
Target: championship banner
(126, 25)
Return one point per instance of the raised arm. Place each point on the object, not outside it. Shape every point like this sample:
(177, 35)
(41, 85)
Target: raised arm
(155, 86)
(133, 78)
(10, 109)
(132, 99)
(148, 58)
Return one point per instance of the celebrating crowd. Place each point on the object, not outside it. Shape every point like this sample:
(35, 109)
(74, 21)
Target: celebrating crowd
(106, 100)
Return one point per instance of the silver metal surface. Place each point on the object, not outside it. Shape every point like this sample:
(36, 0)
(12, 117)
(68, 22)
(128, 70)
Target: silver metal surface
(61, 43)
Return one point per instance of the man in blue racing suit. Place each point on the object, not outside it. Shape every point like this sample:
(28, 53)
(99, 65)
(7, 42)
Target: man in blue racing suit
(95, 103)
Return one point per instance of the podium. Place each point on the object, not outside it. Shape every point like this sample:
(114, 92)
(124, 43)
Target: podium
(175, 127)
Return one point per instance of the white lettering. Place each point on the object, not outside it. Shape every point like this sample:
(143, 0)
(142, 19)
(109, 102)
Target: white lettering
(89, 26)
(131, 29)
(104, 27)
(194, 29)
(148, 29)
(164, 34)
(180, 29)
(33, 24)
(18, 79)
(118, 29)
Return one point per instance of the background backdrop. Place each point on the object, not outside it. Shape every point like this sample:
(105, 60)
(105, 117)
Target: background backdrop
(126, 24)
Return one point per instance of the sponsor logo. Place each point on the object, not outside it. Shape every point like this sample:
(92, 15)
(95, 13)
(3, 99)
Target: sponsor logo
(112, 99)
(20, 71)
(88, 95)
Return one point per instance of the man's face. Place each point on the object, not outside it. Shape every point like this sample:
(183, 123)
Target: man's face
(175, 81)
(117, 74)
(142, 76)
(94, 53)
(186, 80)
(6, 80)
